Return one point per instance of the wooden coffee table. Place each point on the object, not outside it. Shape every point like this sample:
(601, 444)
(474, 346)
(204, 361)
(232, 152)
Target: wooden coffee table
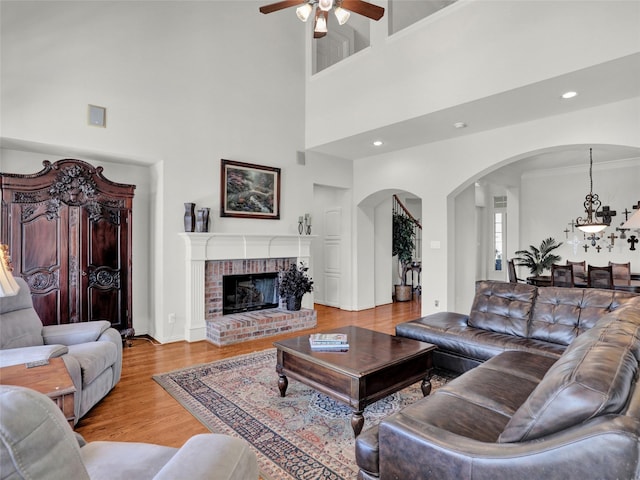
(376, 365)
(52, 379)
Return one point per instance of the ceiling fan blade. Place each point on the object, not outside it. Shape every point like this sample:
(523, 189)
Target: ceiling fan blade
(361, 7)
(274, 7)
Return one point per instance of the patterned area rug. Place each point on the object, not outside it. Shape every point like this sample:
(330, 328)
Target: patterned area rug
(304, 436)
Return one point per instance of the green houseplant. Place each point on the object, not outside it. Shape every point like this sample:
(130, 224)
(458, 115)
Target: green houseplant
(539, 259)
(293, 283)
(403, 245)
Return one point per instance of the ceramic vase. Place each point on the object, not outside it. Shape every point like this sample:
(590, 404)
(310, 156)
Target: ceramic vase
(189, 217)
(202, 220)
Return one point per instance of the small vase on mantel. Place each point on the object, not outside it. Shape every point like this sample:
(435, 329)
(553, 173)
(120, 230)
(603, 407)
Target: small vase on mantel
(189, 217)
(202, 220)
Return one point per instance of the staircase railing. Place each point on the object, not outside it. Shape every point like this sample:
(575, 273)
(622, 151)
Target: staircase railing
(400, 209)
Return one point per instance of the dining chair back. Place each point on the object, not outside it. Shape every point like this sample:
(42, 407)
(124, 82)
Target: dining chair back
(513, 276)
(579, 270)
(600, 277)
(562, 275)
(621, 273)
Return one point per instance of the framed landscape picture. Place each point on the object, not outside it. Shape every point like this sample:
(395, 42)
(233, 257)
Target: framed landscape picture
(249, 191)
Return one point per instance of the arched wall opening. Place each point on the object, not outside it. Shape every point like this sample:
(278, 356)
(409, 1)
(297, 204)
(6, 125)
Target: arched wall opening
(544, 191)
(376, 268)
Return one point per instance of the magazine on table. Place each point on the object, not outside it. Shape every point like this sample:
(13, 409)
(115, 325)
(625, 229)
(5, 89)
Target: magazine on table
(329, 342)
(328, 338)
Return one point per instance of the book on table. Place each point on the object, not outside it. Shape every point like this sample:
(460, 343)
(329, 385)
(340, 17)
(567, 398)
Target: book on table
(338, 347)
(329, 342)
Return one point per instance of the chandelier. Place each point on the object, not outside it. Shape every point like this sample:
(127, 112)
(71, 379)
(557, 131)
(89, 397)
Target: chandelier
(592, 205)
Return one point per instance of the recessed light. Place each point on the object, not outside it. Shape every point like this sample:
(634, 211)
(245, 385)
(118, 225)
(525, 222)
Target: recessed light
(460, 125)
(567, 95)
(377, 143)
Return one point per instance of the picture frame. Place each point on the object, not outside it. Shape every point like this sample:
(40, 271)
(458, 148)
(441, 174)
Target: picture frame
(249, 191)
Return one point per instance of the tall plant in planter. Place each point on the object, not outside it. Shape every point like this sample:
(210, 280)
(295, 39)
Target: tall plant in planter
(403, 245)
(293, 283)
(539, 259)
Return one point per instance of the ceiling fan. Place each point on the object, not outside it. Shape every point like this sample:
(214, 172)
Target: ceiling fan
(342, 10)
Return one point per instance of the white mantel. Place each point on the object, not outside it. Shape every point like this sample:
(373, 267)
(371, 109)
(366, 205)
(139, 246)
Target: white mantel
(229, 246)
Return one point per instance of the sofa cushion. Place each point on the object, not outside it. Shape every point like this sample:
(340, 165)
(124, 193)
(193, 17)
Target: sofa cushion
(502, 307)
(19, 322)
(593, 377)
(556, 314)
(94, 358)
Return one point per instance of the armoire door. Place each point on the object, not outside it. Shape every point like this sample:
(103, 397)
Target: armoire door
(104, 264)
(69, 234)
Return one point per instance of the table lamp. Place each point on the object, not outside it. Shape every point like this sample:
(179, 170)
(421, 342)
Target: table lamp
(8, 284)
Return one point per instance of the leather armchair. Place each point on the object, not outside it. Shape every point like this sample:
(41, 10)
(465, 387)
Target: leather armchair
(37, 442)
(92, 351)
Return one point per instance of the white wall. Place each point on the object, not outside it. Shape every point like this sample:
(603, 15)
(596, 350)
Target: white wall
(468, 51)
(544, 215)
(185, 84)
(440, 170)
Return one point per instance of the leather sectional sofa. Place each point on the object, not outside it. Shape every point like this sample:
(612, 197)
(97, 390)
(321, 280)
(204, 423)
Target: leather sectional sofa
(550, 390)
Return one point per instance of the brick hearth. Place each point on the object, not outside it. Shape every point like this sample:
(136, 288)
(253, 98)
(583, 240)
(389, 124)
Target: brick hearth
(238, 327)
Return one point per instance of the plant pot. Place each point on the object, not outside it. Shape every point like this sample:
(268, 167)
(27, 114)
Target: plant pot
(294, 303)
(403, 293)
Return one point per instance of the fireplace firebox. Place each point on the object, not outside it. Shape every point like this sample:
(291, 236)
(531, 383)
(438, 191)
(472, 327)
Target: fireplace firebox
(247, 292)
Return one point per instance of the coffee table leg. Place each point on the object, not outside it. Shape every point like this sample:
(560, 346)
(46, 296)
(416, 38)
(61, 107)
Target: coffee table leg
(283, 383)
(426, 386)
(357, 422)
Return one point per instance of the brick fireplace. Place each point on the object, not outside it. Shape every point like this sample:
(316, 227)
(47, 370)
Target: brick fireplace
(210, 256)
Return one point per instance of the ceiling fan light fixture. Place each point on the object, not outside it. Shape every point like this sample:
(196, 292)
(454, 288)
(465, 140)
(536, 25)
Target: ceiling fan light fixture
(342, 15)
(304, 11)
(321, 24)
(325, 5)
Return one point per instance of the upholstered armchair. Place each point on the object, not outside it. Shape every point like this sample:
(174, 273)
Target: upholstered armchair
(37, 442)
(92, 351)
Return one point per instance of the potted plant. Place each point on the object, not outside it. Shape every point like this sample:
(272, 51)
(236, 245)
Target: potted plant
(537, 260)
(402, 245)
(293, 283)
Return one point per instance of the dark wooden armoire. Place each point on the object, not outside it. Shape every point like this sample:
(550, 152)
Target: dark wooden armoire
(69, 234)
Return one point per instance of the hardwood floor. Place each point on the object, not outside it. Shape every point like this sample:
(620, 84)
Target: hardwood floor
(139, 410)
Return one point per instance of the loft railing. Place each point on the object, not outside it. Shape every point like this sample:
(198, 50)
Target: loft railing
(400, 209)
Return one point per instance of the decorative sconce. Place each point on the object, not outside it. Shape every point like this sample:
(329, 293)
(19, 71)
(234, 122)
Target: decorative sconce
(304, 224)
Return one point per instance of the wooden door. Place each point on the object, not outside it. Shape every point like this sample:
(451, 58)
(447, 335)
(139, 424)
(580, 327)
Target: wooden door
(69, 234)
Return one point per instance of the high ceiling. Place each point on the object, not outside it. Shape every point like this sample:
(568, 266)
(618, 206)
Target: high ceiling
(530, 102)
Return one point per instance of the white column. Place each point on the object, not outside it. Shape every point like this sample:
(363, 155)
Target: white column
(195, 327)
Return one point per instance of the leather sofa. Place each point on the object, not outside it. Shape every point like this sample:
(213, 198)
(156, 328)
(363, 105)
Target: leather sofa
(553, 394)
(512, 316)
(36, 442)
(92, 351)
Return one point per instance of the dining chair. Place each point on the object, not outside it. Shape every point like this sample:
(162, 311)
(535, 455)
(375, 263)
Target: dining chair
(621, 273)
(562, 276)
(579, 271)
(600, 277)
(513, 276)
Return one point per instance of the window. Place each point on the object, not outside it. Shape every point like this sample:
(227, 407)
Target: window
(499, 207)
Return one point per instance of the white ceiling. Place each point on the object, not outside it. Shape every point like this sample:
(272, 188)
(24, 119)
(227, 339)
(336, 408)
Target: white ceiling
(530, 102)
